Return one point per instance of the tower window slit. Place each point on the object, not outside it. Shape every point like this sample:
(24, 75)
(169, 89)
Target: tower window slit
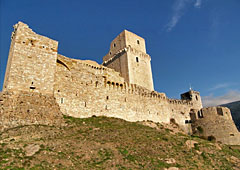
(137, 60)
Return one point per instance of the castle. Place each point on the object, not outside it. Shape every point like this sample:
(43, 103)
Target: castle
(121, 87)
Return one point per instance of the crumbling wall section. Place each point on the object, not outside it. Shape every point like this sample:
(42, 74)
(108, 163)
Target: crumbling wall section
(31, 62)
(24, 108)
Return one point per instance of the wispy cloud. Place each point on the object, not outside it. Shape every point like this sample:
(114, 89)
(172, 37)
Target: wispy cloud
(179, 8)
(220, 86)
(198, 4)
(225, 86)
(230, 96)
(178, 11)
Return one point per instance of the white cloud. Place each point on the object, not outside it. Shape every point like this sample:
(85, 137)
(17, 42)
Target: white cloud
(198, 4)
(178, 11)
(230, 96)
(220, 86)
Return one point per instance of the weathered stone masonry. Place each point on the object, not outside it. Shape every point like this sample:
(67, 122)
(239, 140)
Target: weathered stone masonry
(121, 87)
(83, 90)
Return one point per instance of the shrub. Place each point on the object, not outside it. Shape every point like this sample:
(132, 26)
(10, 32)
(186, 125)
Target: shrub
(200, 129)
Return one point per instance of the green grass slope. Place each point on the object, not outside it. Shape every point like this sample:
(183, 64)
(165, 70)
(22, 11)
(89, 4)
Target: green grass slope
(110, 143)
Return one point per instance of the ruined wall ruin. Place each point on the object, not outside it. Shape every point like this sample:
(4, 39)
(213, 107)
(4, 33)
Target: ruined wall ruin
(18, 108)
(31, 62)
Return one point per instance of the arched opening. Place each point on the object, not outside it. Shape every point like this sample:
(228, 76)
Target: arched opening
(63, 64)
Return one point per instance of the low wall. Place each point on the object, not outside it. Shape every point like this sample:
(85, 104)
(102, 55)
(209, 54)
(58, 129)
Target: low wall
(28, 108)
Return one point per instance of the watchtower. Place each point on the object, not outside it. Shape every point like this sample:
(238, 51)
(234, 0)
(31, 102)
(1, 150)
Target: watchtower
(194, 97)
(128, 56)
(31, 61)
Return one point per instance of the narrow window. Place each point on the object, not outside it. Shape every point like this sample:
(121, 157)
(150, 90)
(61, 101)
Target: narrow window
(138, 42)
(220, 111)
(61, 100)
(31, 41)
(196, 98)
(137, 59)
(107, 97)
(85, 104)
(200, 114)
(114, 45)
(32, 87)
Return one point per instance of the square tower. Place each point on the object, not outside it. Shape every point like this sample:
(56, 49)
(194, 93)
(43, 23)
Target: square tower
(194, 97)
(128, 56)
(31, 61)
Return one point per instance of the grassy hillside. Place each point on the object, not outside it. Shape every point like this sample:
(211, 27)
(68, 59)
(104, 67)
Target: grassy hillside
(109, 143)
(235, 110)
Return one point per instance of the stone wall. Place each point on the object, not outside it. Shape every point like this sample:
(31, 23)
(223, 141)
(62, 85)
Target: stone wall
(18, 108)
(82, 90)
(217, 122)
(31, 62)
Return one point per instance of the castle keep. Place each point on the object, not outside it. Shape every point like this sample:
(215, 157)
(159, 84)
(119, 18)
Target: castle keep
(122, 86)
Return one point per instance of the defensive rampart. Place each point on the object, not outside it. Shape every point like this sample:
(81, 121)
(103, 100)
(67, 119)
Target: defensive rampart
(84, 90)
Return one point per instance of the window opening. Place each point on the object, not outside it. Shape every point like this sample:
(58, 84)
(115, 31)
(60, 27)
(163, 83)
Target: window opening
(138, 42)
(220, 111)
(137, 59)
(61, 100)
(200, 114)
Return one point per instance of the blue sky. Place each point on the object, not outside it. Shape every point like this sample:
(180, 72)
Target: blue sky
(190, 41)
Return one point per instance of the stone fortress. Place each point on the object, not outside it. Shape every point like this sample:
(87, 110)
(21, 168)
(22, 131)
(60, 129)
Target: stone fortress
(40, 85)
